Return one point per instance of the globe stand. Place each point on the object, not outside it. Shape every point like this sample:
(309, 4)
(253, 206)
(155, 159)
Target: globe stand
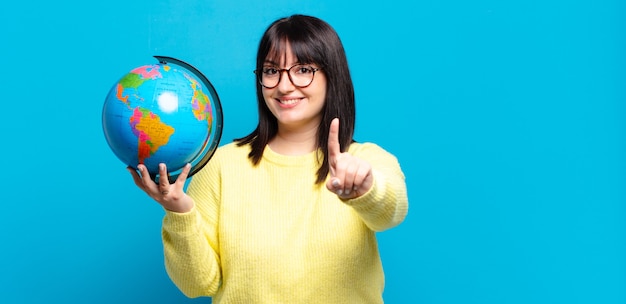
(209, 149)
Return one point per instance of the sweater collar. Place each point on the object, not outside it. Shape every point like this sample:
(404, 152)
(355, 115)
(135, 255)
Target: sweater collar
(309, 159)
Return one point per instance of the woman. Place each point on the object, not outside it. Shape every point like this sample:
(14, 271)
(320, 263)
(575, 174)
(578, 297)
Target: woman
(287, 214)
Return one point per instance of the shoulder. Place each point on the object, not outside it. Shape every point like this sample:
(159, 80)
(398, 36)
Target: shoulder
(366, 148)
(371, 151)
(227, 155)
(231, 150)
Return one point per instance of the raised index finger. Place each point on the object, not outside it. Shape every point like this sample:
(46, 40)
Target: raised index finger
(334, 148)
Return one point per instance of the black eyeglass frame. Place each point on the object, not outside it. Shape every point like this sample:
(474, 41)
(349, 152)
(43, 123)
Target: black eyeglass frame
(259, 75)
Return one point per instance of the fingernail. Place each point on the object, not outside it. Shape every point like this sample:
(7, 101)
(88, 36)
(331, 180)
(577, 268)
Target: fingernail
(161, 166)
(335, 182)
(339, 192)
(348, 192)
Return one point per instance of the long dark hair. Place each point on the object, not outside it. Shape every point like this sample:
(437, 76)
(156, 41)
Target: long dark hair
(312, 40)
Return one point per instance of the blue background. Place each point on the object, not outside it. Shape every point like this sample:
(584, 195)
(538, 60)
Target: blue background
(507, 118)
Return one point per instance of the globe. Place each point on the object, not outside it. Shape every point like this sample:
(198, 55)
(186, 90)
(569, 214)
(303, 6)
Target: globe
(166, 112)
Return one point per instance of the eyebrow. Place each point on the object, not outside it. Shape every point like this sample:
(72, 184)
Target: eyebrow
(272, 63)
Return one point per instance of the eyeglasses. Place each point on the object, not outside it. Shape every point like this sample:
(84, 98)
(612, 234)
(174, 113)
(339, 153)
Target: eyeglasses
(301, 75)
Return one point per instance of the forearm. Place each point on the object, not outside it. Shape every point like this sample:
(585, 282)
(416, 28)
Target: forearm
(385, 205)
(190, 261)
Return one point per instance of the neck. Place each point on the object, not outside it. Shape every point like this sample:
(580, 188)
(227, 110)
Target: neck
(289, 141)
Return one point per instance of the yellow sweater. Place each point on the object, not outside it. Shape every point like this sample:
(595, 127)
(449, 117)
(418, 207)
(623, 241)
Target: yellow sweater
(268, 234)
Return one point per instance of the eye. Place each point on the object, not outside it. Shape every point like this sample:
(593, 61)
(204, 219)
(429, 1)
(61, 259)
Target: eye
(303, 69)
(269, 71)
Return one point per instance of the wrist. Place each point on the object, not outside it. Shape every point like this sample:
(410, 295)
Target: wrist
(182, 205)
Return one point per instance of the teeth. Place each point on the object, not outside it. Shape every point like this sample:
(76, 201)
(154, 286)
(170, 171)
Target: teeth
(290, 101)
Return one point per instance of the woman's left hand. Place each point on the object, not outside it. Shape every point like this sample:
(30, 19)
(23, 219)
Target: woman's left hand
(350, 176)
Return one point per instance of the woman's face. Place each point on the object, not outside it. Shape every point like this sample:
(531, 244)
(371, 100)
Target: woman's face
(293, 106)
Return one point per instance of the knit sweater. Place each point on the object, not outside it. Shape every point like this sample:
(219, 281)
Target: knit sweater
(269, 234)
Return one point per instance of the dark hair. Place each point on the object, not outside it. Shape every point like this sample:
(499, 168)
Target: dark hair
(312, 40)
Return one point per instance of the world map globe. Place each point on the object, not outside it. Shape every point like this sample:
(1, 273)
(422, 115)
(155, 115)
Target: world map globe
(166, 112)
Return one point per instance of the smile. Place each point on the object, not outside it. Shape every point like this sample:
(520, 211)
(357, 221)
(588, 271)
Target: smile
(289, 101)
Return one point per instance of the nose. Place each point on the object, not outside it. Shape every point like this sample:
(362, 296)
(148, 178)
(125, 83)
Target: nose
(284, 83)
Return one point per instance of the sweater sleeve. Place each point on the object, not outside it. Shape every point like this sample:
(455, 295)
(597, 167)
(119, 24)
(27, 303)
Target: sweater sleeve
(190, 240)
(386, 204)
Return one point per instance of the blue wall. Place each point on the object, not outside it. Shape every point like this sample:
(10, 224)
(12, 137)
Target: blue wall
(508, 118)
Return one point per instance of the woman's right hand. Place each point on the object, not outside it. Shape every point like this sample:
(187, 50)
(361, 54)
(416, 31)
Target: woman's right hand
(171, 196)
